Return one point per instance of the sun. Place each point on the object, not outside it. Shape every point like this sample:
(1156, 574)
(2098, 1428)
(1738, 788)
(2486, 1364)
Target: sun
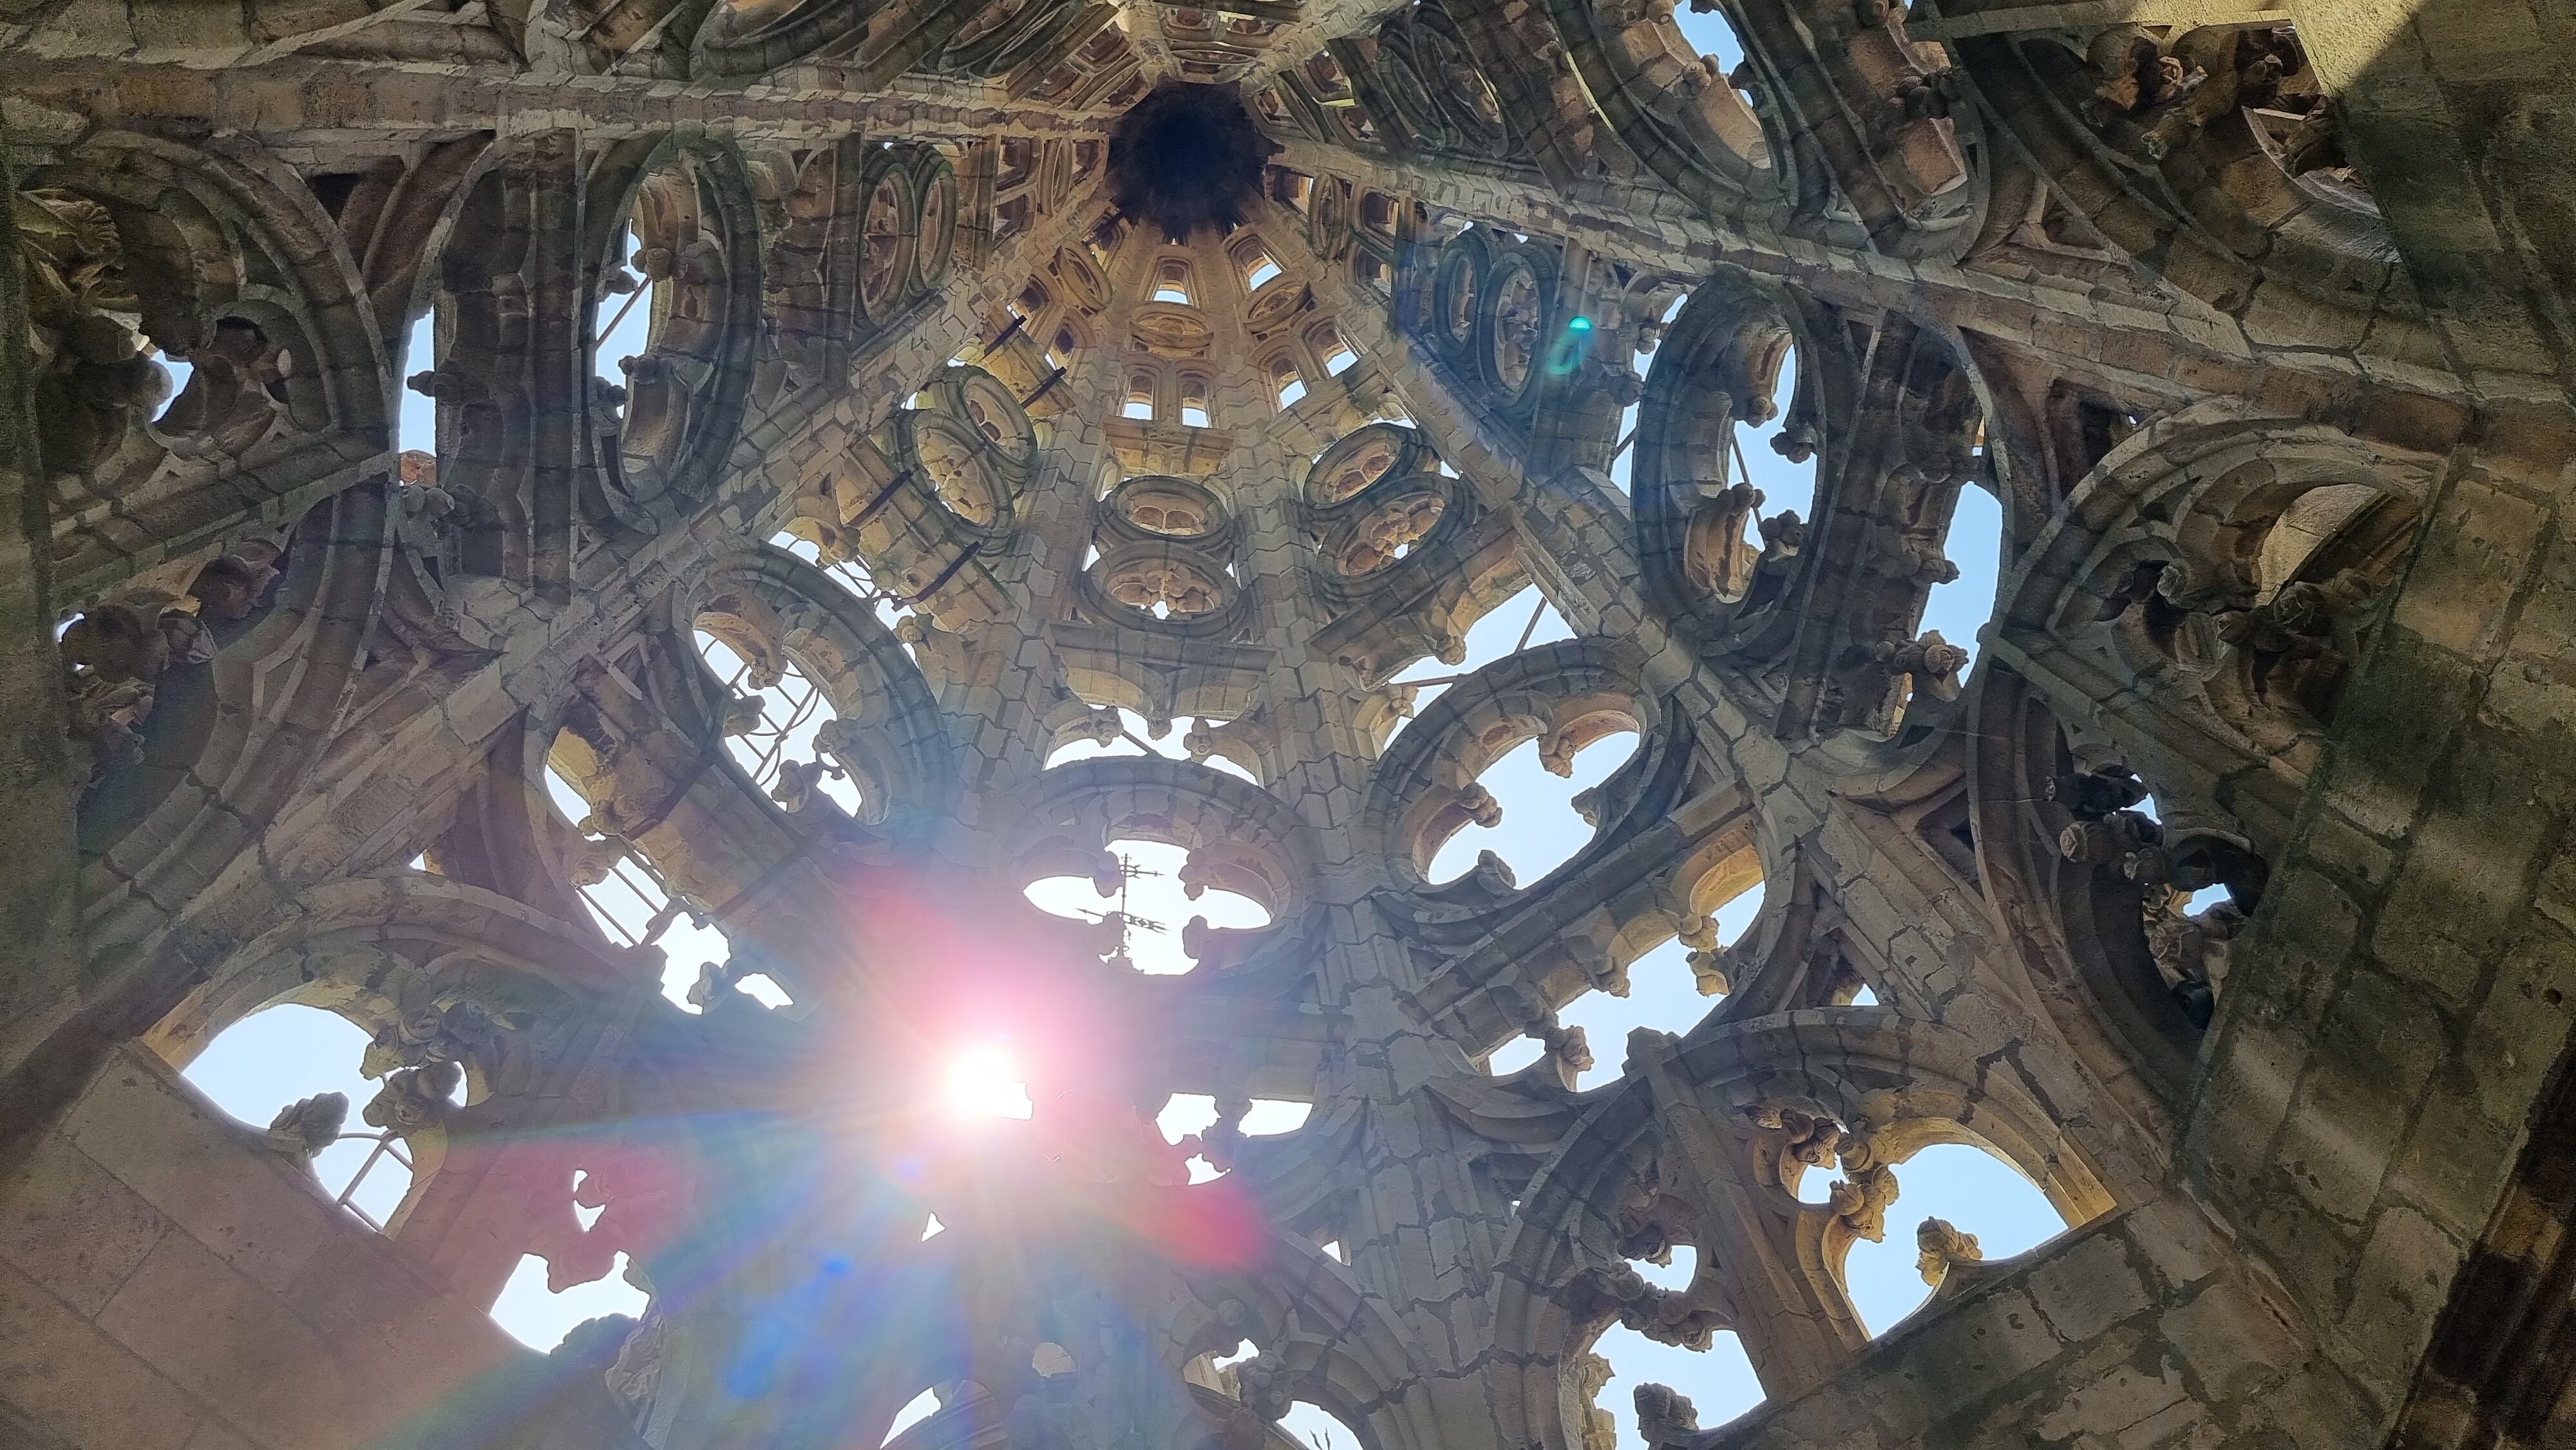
(983, 1082)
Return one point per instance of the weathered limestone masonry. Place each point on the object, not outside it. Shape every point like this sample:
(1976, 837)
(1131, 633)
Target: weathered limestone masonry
(2227, 893)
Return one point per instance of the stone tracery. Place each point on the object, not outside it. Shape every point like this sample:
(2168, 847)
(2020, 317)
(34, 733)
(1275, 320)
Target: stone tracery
(2215, 893)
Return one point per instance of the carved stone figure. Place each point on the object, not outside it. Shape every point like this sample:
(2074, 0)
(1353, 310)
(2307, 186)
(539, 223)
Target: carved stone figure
(306, 1127)
(2191, 949)
(1942, 1244)
(415, 1098)
(1665, 1417)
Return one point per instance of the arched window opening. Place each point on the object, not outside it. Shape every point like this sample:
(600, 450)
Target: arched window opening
(281, 1056)
(1540, 828)
(1378, 212)
(1258, 269)
(1172, 281)
(1285, 385)
(1140, 397)
(791, 714)
(1146, 906)
(1194, 402)
(1966, 1187)
(1034, 298)
(1060, 356)
(632, 905)
(1337, 354)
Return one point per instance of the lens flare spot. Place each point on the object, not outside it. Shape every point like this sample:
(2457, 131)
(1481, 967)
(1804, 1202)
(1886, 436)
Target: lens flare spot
(983, 1083)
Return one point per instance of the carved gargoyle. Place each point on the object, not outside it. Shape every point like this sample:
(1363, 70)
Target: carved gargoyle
(1264, 1385)
(1666, 1419)
(415, 1098)
(2292, 633)
(2136, 80)
(2094, 794)
(1661, 1315)
(743, 715)
(1797, 439)
(302, 1129)
(1941, 1244)
(438, 1033)
(94, 383)
(1933, 662)
(1707, 958)
(2146, 853)
(1860, 1199)
(2190, 950)
(115, 654)
(237, 395)
(800, 787)
(1480, 805)
(718, 988)
(1568, 1049)
(1718, 557)
(432, 523)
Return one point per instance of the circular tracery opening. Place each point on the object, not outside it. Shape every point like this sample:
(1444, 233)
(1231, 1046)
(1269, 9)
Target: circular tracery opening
(1164, 586)
(1531, 818)
(1147, 905)
(1389, 532)
(997, 415)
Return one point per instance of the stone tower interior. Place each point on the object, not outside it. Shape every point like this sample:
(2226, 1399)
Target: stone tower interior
(1288, 725)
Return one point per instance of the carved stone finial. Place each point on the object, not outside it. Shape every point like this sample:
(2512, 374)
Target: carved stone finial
(1480, 805)
(1942, 1244)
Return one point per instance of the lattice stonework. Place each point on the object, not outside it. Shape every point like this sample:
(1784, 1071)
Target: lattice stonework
(1047, 725)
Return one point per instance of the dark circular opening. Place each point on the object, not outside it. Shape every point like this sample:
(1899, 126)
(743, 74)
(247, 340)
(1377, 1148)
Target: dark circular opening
(1186, 157)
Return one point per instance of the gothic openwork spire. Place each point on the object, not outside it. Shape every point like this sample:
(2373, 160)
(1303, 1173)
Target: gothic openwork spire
(1287, 725)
